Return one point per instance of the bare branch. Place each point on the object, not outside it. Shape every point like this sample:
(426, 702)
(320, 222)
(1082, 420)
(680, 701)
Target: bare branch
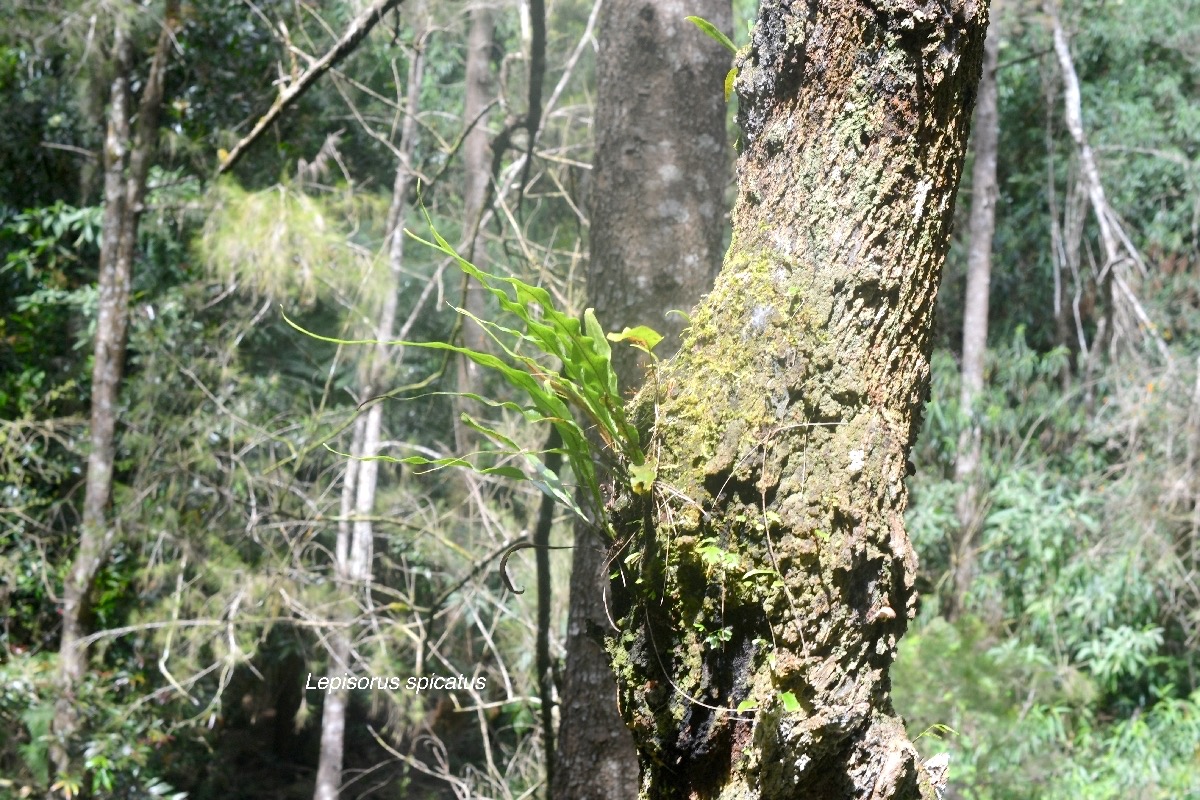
(357, 31)
(1119, 251)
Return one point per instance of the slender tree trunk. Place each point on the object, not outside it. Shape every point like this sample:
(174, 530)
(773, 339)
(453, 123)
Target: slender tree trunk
(127, 158)
(333, 708)
(476, 149)
(767, 577)
(543, 662)
(378, 362)
(985, 136)
(333, 722)
(355, 548)
(477, 175)
(1058, 259)
(657, 221)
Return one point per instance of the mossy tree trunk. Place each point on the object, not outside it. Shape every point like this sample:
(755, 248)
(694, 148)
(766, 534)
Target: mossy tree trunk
(770, 563)
(657, 208)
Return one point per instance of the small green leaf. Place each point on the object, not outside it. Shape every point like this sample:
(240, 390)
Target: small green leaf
(747, 705)
(641, 337)
(790, 703)
(756, 572)
(711, 31)
(730, 77)
(550, 484)
(641, 476)
(601, 349)
(937, 730)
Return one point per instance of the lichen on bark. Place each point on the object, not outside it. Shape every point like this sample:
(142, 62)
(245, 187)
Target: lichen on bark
(771, 558)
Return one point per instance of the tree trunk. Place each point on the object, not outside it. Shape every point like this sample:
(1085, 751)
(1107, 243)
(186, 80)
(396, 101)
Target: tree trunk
(657, 221)
(355, 558)
(333, 708)
(477, 97)
(985, 135)
(126, 164)
(333, 722)
(476, 177)
(769, 569)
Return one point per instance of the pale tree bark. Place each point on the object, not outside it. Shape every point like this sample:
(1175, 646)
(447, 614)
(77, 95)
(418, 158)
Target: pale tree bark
(476, 155)
(657, 221)
(355, 543)
(1062, 259)
(985, 137)
(769, 568)
(1126, 322)
(476, 99)
(127, 157)
(333, 708)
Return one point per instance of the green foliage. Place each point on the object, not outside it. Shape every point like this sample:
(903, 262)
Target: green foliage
(285, 243)
(50, 237)
(1024, 724)
(1139, 76)
(717, 558)
(713, 33)
(123, 752)
(1072, 673)
(39, 91)
(1120, 653)
(47, 305)
(1137, 62)
(716, 35)
(585, 383)
(1073, 656)
(221, 507)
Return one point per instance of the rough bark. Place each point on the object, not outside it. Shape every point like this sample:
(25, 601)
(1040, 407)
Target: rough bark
(354, 552)
(769, 566)
(661, 167)
(985, 136)
(657, 221)
(127, 158)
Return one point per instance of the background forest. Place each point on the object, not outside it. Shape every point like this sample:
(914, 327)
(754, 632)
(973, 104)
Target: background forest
(245, 544)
